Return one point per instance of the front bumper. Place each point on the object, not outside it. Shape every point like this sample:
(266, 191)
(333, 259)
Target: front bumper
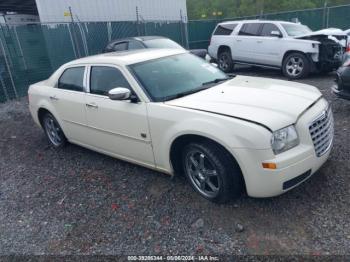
(262, 182)
(293, 166)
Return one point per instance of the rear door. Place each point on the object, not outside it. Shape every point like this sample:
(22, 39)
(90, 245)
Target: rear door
(68, 99)
(246, 47)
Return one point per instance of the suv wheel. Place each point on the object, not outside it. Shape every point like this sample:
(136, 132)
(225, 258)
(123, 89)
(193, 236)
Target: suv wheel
(211, 172)
(225, 61)
(53, 131)
(296, 66)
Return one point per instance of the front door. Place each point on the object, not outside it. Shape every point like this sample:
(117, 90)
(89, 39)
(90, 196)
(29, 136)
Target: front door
(117, 127)
(269, 46)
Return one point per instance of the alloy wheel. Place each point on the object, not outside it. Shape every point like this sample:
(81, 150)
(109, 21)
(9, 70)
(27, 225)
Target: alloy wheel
(295, 66)
(53, 130)
(202, 173)
(224, 62)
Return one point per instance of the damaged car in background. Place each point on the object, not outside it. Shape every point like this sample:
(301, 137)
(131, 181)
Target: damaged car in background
(291, 47)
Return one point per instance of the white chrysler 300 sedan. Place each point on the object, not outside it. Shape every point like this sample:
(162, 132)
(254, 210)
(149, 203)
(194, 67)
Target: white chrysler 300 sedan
(173, 112)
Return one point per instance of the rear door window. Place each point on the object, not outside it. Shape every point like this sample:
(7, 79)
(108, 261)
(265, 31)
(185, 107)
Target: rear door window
(133, 45)
(250, 29)
(72, 79)
(120, 46)
(226, 29)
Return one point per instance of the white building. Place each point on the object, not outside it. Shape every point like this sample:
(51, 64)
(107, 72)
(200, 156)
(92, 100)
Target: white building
(111, 10)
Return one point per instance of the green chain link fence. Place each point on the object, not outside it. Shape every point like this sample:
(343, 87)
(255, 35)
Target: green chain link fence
(30, 53)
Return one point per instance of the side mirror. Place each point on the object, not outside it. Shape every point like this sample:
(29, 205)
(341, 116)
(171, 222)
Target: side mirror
(276, 34)
(119, 93)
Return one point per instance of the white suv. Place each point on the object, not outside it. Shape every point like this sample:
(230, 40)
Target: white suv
(292, 47)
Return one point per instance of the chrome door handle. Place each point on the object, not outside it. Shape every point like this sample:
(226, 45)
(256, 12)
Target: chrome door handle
(91, 105)
(54, 98)
(238, 40)
(260, 41)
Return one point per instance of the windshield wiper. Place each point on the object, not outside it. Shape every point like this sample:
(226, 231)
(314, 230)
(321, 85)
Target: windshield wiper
(204, 86)
(217, 80)
(179, 95)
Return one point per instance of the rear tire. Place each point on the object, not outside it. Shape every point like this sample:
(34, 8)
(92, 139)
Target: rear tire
(212, 172)
(53, 131)
(225, 61)
(296, 66)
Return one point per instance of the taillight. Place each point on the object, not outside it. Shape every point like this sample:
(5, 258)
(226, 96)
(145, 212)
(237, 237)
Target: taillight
(348, 48)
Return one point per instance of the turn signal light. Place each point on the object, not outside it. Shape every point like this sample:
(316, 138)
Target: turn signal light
(269, 165)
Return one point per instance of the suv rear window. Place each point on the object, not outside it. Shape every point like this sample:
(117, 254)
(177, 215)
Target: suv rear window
(250, 29)
(225, 29)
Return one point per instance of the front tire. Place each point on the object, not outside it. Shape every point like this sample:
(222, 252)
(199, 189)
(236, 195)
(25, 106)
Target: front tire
(225, 62)
(212, 172)
(296, 66)
(53, 131)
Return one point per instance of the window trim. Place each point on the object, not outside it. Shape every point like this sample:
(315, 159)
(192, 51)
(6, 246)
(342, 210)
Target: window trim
(84, 79)
(88, 77)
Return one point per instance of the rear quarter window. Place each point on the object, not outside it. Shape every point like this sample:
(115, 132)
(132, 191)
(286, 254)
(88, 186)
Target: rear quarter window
(225, 29)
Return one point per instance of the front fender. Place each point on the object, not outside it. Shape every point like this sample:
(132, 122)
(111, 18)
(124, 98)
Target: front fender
(231, 133)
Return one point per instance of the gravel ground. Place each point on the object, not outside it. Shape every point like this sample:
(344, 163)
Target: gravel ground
(76, 201)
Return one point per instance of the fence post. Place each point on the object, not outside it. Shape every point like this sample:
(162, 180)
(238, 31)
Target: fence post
(73, 33)
(324, 22)
(137, 21)
(9, 69)
(184, 30)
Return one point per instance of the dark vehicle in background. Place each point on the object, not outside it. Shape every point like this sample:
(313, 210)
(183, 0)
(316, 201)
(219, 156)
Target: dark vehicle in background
(342, 86)
(142, 42)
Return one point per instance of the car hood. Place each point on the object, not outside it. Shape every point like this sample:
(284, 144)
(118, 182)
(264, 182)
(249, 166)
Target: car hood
(327, 32)
(335, 34)
(272, 103)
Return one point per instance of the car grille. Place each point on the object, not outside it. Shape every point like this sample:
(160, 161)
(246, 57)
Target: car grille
(321, 131)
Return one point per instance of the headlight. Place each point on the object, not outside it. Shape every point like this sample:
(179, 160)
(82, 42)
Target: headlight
(284, 139)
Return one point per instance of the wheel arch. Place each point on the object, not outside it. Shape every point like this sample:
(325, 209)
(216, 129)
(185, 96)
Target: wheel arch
(223, 48)
(181, 141)
(287, 53)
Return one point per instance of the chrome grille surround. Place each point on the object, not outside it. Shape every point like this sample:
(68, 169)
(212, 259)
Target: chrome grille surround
(322, 131)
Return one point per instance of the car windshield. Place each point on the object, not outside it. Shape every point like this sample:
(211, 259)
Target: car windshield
(175, 76)
(162, 43)
(296, 29)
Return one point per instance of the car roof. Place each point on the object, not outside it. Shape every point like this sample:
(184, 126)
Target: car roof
(256, 21)
(127, 57)
(138, 38)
